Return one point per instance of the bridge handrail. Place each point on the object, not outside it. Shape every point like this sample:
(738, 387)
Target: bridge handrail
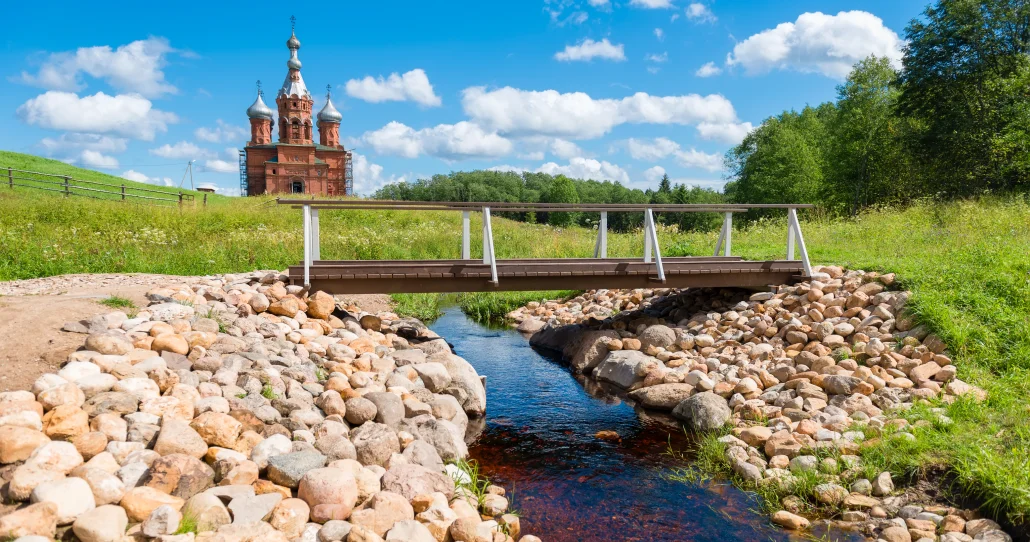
(312, 246)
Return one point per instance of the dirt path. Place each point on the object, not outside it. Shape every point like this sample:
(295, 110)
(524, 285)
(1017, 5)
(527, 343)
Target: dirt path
(32, 313)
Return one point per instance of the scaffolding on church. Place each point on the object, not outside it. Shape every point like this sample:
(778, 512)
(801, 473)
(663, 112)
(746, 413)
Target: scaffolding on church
(348, 176)
(243, 173)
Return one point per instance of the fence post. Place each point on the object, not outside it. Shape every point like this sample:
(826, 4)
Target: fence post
(205, 199)
(67, 191)
(10, 177)
(123, 192)
(180, 199)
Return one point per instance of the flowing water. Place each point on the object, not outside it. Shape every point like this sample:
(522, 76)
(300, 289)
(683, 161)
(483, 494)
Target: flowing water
(539, 441)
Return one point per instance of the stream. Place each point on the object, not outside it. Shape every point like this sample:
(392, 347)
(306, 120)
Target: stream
(539, 442)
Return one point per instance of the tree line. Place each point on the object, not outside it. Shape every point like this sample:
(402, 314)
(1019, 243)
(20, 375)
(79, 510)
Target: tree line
(952, 121)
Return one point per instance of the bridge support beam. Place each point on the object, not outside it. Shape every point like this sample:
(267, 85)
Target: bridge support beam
(307, 245)
(488, 246)
(795, 226)
(466, 245)
(316, 242)
(651, 234)
(601, 246)
(725, 236)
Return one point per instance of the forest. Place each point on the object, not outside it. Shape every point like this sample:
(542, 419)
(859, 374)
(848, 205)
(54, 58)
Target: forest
(953, 121)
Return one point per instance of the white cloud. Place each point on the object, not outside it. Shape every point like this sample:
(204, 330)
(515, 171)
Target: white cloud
(90, 158)
(78, 141)
(134, 175)
(183, 150)
(129, 115)
(659, 33)
(536, 147)
(818, 43)
(448, 141)
(728, 132)
(660, 148)
(223, 132)
(599, 3)
(412, 86)
(221, 166)
(565, 149)
(586, 168)
(700, 13)
(652, 4)
(576, 115)
(655, 57)
(589, 49)
(534, 155)
(674, 17)
(654, 174)
(708, 70)
(368, 177)
(136, 67)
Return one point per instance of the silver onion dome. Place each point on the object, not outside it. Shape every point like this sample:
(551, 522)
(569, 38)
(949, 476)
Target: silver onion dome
(293, 42)
(258, 110)
(329, 113)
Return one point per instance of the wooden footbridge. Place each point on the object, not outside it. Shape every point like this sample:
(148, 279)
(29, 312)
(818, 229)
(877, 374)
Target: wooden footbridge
(490, 274)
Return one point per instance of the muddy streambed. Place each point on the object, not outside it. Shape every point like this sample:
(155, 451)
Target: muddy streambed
(538, 440)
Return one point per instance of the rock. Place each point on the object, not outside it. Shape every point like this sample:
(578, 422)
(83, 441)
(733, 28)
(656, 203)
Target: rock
(444, 436)
(434, 376)
(271, 446)
(321, 305)
(18, 443)
(208, 512)
(830, 493)
(494, 505)
(171, 342)
(330, 492)
(163, 520)
(72, 496)
(359, 533)
(790, 521)
(288, 306)
(140, 502)
(55, 456)
(180, 475)
(106, 487)
(704, 411)
(883, 485)
(623, 367)
(466, 386)
(102, 524)
(177, 437)
(250, 510)
(382, 512)
(658, 336)
(217, 429)
(111, 343)
(895, 534)
(412, 480)
(389, 407)
(375, 443)
(34, 520)
(334, 531)
(592, 349)
(288, 469)
(360, 410)
(166, 312)
(290, 517)
(662, 396)
(409, 531)
(65, 422)
(840, 385)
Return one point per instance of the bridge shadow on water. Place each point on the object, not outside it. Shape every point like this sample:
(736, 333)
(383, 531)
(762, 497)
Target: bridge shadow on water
(538, 440)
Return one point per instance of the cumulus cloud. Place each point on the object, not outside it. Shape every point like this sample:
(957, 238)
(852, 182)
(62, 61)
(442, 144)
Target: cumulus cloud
(577, 115)
(700, 13)
(78, 141)
(659, 33)
(660, 148)
(129, 115)
(599, 3)
(183, 150)
(412, 86)
(222, 132)
(135, 67)
(217, 165)
(537, 146)
(134, 175)
(708, 70)
(589, 49)
(728, 132)
(659, 58)
(652, 4)
(586, 168)
(448, 141)
(90, 158)
(818, 43)
(368, 177)
(654, 174)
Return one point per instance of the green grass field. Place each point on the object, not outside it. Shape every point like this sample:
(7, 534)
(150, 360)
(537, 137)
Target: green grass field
(968, 264)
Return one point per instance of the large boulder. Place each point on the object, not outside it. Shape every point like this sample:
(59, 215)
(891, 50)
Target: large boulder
(591, 349)
(624, 368)
(411, 481)
(375, 443)
(663, 396)
(657, 336)
(465, 386)
(330, 492)
(72, 496)
(705, 411)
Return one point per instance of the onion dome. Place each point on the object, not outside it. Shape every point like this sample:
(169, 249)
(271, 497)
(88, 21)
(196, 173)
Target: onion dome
(258, 110)
(293, 42)
(329, 113)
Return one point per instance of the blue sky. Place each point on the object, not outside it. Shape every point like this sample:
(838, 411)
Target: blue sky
(606, 89)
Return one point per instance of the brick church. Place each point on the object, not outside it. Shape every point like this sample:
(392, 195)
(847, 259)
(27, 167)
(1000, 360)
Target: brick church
(295, 164)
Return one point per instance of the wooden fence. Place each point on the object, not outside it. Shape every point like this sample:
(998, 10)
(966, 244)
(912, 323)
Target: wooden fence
(64, 184)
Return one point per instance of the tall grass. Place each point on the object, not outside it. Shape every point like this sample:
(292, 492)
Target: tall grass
(491, 307)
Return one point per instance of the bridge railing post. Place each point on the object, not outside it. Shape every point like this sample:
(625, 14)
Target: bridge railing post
(647, 240)
(466, 247)
(307, 245)
(792, 222)
(652, 232)
(488, 246)
(725, 235)
(316, 240)
(601, 246)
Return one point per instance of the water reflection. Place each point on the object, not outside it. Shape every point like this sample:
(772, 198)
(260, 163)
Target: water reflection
(539, 438)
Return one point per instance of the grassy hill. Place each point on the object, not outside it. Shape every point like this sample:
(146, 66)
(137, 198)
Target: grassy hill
(38, 164)
(968, 264)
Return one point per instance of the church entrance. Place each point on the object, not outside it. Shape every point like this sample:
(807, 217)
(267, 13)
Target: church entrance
(297, 187)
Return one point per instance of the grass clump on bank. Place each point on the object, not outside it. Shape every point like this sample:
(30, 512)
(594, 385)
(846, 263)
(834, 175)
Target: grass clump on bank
(493, 307)
(425, 307)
